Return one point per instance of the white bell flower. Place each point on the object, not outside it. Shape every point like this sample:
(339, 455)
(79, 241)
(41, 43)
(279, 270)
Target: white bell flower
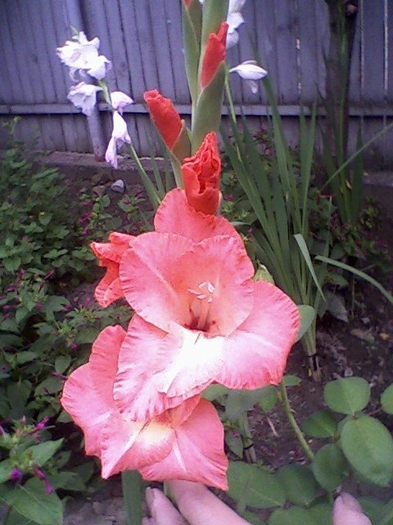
(84, 97)
(250, 72)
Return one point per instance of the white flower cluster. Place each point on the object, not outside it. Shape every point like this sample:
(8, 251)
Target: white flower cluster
(81, 56)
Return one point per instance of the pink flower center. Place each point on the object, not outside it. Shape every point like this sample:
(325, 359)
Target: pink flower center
(201, 302)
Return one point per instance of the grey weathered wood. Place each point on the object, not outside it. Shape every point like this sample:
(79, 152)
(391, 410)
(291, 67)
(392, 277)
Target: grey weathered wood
(143, 41)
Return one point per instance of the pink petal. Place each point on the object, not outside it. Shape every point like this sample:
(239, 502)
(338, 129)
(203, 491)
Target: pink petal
(256, 353)
(168, 279)
(109, 254)
(193, 362)
(143, 353)
(197, 453)
(127, 445)
(175, 215)
(147, 272)
(222, 262)
(104, 359)
(87, 409)
(87, 393)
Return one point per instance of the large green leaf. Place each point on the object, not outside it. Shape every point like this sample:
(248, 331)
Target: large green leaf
(368, 446)
(42, 452)
(387, 400)
(318, 514)
(255, 487)
(5, 470)
(307, 316)
(348, 395)
(329, 466)
(239, 401)
(320, 424)
(300, 484)
(32, 502)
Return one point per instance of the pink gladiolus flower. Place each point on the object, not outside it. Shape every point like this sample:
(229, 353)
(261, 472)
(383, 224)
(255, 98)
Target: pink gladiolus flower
(199, 318)
(183, 443)
(109, 255)
(347, 511)
(174, 215)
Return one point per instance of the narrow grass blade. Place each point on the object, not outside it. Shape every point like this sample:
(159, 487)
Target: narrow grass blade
(306, 254)
(358, 273)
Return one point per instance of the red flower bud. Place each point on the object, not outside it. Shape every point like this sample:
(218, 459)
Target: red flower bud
(214, 54)
(201, 176)
(165, 117)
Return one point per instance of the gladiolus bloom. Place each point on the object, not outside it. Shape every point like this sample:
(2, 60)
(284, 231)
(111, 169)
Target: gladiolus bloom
(109, 254)
(199, 318)
(174, 215)
(250, 72)
(84, 97)
(81, 54)
(120, 100)
(183, 443)
(201, 176)
(119, 137)
(214, 54)
(347, 511)
(165, 117)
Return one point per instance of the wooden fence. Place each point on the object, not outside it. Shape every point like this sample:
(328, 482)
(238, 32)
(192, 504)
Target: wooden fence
(143, 40)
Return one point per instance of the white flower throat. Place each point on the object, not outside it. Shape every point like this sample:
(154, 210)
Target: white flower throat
(200, 305)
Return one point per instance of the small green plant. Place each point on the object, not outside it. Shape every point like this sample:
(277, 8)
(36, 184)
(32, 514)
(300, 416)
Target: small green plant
(31, 471)
(343, 443)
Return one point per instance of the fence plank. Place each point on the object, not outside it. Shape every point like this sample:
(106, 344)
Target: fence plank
(143, 40)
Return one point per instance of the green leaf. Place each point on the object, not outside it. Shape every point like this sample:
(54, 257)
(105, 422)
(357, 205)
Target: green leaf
(42, 452)
(269, 398)
(62, 362)
(320, 424)
(213, 392)
(254, 486)
(373, 508)
(239, 401)
(348, 395)
(387, 400)
(307, 316)
(329, 466)
(5, 470)
(320, 514)
(50, 385)
(306, 255)
(358, 273)
(385, 516)
(14, 518)
(300, 484)
(67, 481)
(368, 446)
(25, 357)
(234, 442)
(291, 380)
(32, 502)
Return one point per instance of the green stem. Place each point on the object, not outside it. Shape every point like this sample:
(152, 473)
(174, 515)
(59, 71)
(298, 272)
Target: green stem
(104, 86)
(229, 96)
(132, 486)
(292, 421)
(248, 443)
